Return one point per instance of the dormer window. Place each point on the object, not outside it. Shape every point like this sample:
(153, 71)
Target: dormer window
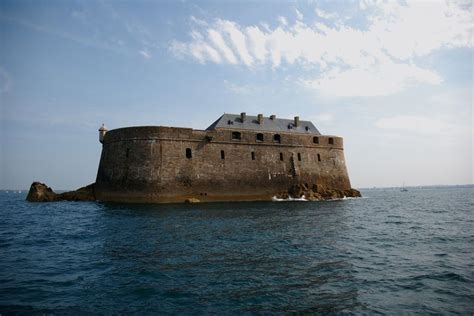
(277, 138)
(236, 136)
(259, 137)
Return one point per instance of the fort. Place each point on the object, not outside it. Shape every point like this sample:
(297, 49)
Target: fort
(237, 158)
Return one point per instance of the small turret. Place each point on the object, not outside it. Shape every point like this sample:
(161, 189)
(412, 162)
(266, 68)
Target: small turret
(102, 131)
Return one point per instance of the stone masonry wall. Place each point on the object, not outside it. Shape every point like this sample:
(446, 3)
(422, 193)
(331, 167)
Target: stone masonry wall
(150, 164)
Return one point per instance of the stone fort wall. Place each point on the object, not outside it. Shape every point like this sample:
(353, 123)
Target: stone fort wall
(167, 164)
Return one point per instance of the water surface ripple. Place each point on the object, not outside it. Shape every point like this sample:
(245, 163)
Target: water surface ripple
(391, 252)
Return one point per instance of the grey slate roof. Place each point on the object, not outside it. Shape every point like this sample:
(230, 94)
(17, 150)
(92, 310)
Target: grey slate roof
(233, 121)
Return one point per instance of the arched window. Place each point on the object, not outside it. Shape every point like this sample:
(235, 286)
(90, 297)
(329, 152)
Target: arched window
(316, 140)
(277, 138)
(331, 141)
(189, 153)
(259, 137)
(236, 136)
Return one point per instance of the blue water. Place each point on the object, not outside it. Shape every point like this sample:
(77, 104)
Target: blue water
(390, 252)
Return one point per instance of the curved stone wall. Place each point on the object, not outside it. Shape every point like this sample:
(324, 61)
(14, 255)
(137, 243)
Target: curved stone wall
(166, 164)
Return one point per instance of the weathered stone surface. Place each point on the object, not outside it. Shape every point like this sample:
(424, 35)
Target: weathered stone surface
(83, 194)
(150, 165)
(316, 193)
(40, 192)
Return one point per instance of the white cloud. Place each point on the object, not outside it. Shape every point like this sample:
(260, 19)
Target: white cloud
(325, 15)
(299, 15)
(145, 54)
(282, 20)
(422, 125)
(342, 60)
(380, 80)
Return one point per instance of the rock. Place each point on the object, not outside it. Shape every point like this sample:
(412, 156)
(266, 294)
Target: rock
(296, 191)
(192, 200)
(352, 193)
(40, 192)
(83, 194)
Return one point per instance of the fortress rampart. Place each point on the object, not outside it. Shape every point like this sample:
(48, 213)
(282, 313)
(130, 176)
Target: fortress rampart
(167, 164)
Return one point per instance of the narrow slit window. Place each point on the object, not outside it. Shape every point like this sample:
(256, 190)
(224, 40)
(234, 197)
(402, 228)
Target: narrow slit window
(253, 155)
(299, 157)
(189, 153)
(316, 140)
(319, 157)
(259, 137)
(277, 138)
(222, 154)
(281, 156)
(236, 136)
(331, 141)
(127, 153)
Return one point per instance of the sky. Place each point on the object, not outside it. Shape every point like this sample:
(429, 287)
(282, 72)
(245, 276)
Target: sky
(394, 79)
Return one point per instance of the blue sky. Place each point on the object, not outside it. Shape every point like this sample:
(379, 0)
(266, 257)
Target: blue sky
(393, 78)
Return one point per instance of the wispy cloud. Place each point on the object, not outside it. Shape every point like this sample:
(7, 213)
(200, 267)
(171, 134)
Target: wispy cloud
(145, 54)
(239, 88)
(423, 125)
(5, 82)
(340, 59)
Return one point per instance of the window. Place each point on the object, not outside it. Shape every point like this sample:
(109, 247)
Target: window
(189, 153)
(259, 137)
(316, 140)
(222, 154)
(319, 157)
(253, 155)
(277, 138)
(299, 157)
(331, 141)
(281, 156)
(236, 136)
(127, 153)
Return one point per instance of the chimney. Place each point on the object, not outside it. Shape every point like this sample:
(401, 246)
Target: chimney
(243, 116)
(297, 121)
(272, 117)
(260, 119)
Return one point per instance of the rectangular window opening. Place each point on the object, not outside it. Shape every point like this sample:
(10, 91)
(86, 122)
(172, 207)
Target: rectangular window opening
(189, 153)
(319, 157)
(281, 156)
(236, 136)
(299, 157)
(253, 155)
(222, 154)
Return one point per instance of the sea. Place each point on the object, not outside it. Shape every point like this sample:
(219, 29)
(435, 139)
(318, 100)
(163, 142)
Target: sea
(390, 252)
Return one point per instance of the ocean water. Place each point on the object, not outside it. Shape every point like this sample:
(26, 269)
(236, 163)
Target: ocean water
(390, 252)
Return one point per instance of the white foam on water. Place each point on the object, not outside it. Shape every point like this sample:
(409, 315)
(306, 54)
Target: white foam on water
(290, 199)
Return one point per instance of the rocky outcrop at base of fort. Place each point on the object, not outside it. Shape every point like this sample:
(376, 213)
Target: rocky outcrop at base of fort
(317, 193)
(40, 192)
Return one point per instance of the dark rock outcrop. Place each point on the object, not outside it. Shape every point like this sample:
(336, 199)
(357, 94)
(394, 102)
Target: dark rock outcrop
(317, 193)
(40, 192)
